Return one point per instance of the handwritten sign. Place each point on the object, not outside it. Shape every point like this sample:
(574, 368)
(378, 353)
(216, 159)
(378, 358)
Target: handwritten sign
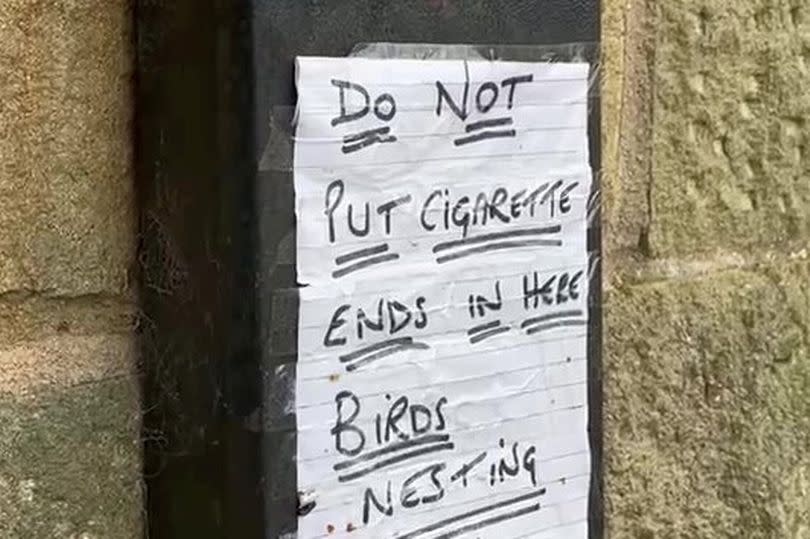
(441, 386)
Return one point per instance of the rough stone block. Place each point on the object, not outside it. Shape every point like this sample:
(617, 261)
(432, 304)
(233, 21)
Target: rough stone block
(31, 317)
(64, 360)
(707, 416)
(627, 95)
(70, 462)
(730, 126)
(66, 200)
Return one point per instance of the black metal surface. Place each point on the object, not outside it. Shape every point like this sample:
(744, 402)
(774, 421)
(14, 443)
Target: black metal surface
(217, 236)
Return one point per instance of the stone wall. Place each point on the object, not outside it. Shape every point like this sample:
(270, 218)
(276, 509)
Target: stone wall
(69, 404)
(707, 218)
(707, 193)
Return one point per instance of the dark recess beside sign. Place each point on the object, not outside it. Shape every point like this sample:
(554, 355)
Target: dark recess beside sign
(217, 236)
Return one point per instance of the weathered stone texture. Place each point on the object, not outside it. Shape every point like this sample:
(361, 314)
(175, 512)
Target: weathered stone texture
(707, 415)
(730, 126)
(66, 212)
(70, 456)
(707, 334)
(64, 361)
(28, 317)
(69, 405)
(70, 463)
(627, 45)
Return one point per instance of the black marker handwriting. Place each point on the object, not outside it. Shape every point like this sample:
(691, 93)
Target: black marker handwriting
(427, 485)
(486, 96)
(546, 322)
(485, 135)
(500, 246)
(486, 331)
(443, 210)
(474, 513)
(480, 305)
(558, 289)
(416, 453)
(337, 213)
(384, 109)
(467, 468)
(483, 124)
(560, 323)
(492, 242)
(358, 141)
(363, 258)
(369, 498)
(363, 264)
(391, 317)
(361, 253)
(467, 528)
(377, 351)
(393, 448)
(409, 497)
(512, 465)
(491, 237)
(483, 327)
(403, 421)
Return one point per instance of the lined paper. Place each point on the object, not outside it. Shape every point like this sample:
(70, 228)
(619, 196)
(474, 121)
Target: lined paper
(441, 382)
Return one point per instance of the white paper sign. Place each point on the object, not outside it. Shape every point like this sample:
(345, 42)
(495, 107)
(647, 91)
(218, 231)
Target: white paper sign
(441, 383)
